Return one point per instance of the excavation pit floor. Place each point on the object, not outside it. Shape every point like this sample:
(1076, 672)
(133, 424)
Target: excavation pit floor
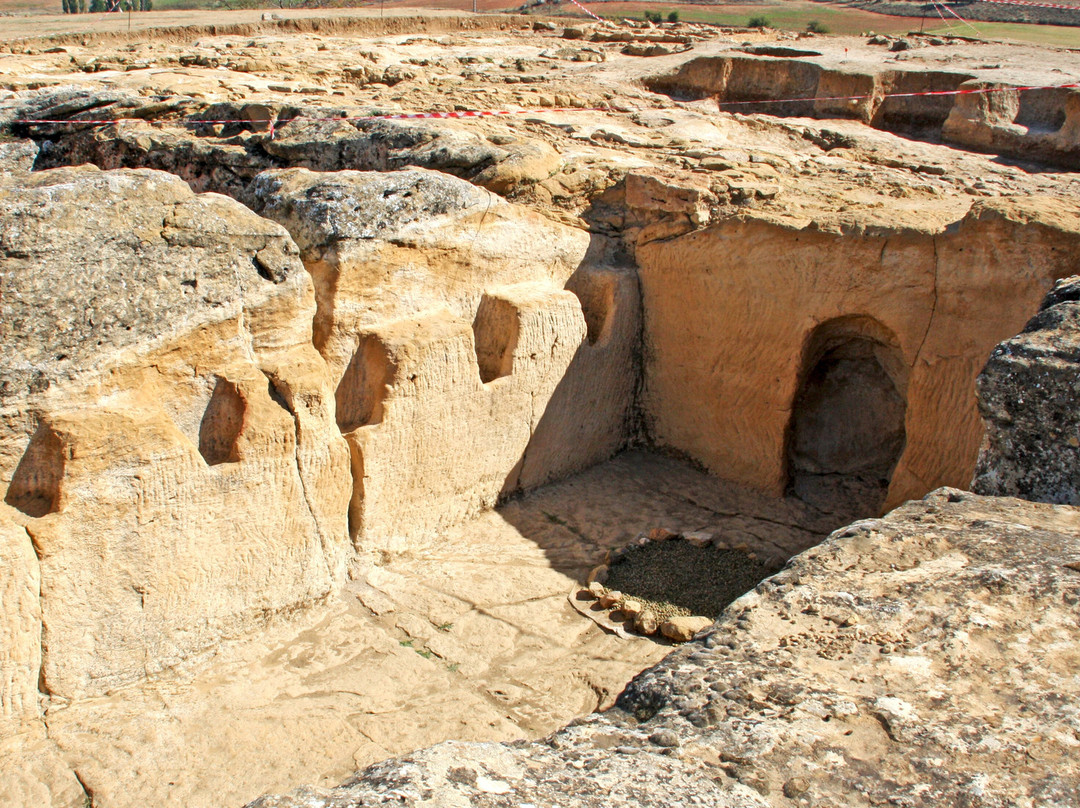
(469, 637)
(676, 579)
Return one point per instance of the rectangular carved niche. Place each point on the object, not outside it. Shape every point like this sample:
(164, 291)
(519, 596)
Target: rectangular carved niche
(495, 334)
(362, 388)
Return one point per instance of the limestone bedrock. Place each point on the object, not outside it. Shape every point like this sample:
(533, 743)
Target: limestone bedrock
(256, 412)
(455, 329)
(924, 658)
(869, 671)
(168, 439)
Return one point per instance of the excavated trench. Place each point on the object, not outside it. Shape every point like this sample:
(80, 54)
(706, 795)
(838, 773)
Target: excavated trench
(629, 396)
(1036, 126)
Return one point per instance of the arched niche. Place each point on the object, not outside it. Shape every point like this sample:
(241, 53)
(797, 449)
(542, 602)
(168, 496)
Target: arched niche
(847, 426)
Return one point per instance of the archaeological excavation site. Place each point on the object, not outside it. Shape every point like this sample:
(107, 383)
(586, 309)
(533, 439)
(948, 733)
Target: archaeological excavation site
(520, 411)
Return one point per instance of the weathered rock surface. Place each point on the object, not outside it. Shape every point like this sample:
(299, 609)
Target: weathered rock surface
(384, 145)
(225, 157)
(815, 299)
(456, 350)
(992, 113)
(869, 671)
(133, 307)
(1028, 395)
(801, 294)
(17, 155)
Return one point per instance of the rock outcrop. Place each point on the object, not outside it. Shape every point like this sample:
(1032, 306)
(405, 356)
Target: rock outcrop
(476, 348)
(1028, 395)
(213, 414)
(869, 671)
(135, 309)
(992, 113)
(225, 157)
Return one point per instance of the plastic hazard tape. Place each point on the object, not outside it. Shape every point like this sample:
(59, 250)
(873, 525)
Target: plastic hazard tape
(576, 3)
(398, 116)
(975, 91)
(939, 6)
(1030, 3)
(488, 113)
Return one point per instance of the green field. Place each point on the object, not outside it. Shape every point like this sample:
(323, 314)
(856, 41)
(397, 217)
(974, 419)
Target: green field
(795, 16)
(791, 16)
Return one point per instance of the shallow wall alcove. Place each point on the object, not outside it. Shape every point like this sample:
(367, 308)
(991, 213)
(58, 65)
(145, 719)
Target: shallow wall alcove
(221, 424)
(35, 484)
(360, 393)
(495, 331)
(847, 430)
(596, 292)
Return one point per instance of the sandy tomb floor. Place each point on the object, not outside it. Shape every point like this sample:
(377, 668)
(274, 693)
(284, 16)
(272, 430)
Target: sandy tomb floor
(471, 638)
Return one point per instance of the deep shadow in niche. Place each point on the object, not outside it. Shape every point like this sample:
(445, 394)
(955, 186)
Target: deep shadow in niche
(360, 393)
(35, 485)
(221, 425)
(847, 427)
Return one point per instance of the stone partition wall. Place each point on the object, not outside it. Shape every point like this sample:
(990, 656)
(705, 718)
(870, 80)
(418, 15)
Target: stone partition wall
(167, 437)
(478, 349)
(1041, 124)
(730, 312)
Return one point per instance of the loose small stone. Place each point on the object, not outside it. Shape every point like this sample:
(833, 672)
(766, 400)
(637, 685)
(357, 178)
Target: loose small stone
(610, 598)
(699, 538)
(794, 787)
(664, 737)
(646, 622)
(598, 575)
(683, 629)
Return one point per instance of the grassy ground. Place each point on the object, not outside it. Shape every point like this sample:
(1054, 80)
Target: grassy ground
(795, 16)
(785, 15)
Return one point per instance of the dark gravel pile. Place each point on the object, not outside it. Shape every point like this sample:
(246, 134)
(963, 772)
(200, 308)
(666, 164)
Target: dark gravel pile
(676, 578)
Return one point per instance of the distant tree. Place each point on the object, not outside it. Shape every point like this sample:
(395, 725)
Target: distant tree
(82, 6)
(759, 22)
(673, 16)
(97, 6)
(815, 27)
(654, 17)
(67, 6)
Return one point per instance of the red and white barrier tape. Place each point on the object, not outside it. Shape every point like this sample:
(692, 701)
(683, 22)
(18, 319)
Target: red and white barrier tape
(399, 116)
(965, 22)
(947, 24)
(576, 3)
(486, 113)
(1030, 3)
(976, 91)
